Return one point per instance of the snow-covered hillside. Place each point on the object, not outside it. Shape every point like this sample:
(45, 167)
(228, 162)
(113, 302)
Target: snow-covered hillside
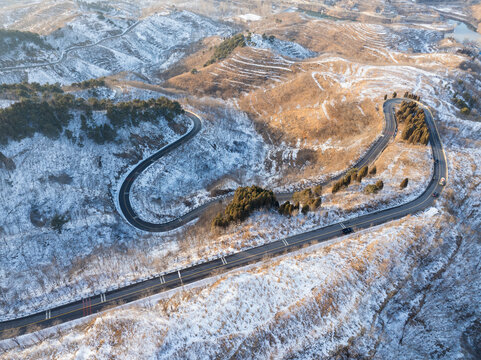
(409, 289)
(90, 47)
(74, 179)
(368, 295)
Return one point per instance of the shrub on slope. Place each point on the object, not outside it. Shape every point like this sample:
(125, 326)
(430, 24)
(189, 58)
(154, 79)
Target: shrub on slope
(310, 197)
(374, 188)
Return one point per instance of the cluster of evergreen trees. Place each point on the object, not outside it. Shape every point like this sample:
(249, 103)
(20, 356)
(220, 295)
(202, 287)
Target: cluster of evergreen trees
(310, 197)
(461, 105)
(27, 117)
(307, 199)
(245, 201)
(414, 119)
(225, 48)
(374, 188)
(50, 115)
(463, 98)
(58, 221)
(28, 90)
(408, 95)
(351, 176)
(136, 111)
(91, 83)
(464, 102)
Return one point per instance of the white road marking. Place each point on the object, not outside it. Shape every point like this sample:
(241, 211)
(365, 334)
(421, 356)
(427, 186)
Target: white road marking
(285, 242)
(103, 298)
(343, 226)
(224, 261)
(162, 279)
(48, 314)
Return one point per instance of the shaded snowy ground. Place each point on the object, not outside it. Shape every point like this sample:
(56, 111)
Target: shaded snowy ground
(283, 48)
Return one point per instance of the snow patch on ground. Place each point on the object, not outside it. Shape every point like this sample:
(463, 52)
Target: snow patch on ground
(291, 298)
(6, 103)
(284, 48)
(369, 291)
(250, 17)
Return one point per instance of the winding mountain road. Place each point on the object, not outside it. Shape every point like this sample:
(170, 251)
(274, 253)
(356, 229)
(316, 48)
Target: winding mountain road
(65, 52)
(125, 207)
(100, 301)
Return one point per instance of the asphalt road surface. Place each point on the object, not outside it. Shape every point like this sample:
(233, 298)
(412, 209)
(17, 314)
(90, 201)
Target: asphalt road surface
(125, 207)
(177, 278)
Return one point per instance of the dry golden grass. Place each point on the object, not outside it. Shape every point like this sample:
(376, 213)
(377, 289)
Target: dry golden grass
(44, 17)
(200, 52)
(477, 13)
(298, 112)
(295, 110)
(398, 161)
(229, 78)
(352, 41)
(402, 157)
(340, 38)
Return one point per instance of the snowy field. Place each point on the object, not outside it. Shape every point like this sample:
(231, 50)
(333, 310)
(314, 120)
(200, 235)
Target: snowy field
(104, 255)
(283, 48)
(77, 262)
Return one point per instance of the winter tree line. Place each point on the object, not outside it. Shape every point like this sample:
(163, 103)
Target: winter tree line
(46, 109)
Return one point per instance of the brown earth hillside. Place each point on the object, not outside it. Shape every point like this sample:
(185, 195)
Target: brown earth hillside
(245, 70)
(477, 15)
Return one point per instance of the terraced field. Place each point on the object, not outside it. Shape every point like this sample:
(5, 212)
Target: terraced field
(248, 69)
